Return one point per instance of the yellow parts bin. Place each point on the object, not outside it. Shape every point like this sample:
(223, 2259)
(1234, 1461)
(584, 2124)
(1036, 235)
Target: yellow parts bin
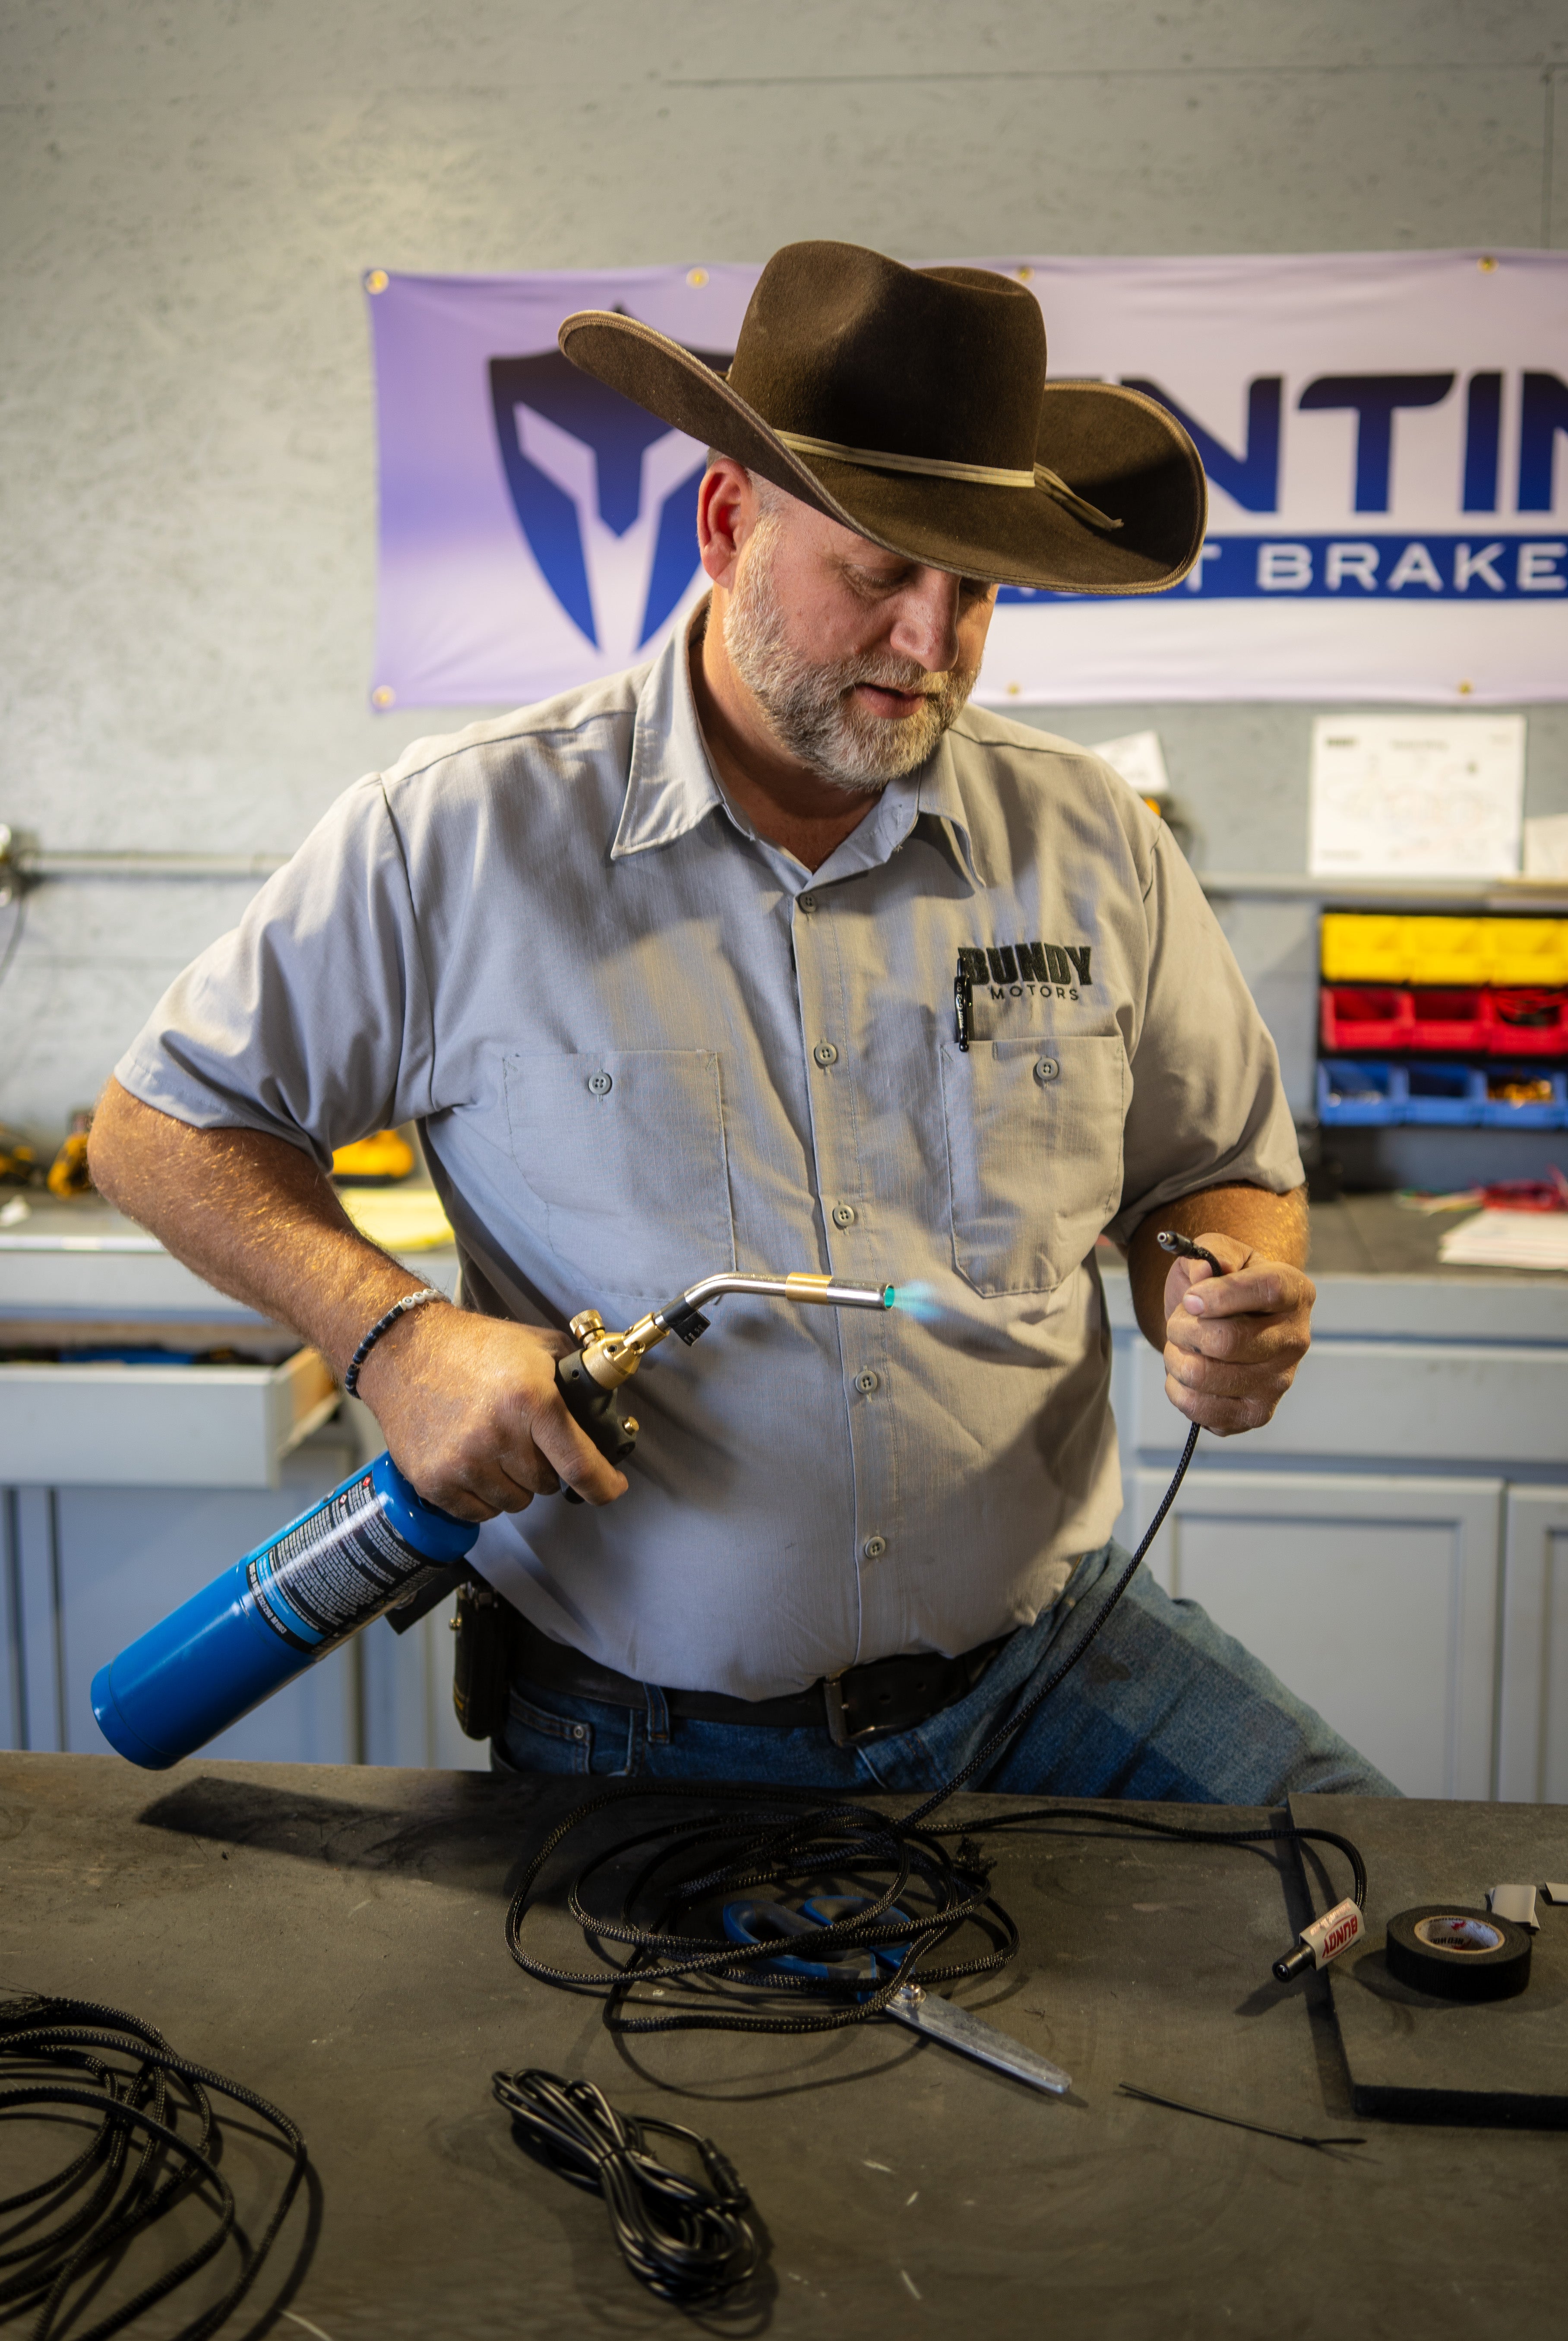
(1361, 947)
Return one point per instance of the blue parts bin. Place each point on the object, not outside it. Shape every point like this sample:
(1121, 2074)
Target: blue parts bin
(1536, 1113)
(370, 1545)
(1359, 1094)
(1370, 1093)
(1450, 1097)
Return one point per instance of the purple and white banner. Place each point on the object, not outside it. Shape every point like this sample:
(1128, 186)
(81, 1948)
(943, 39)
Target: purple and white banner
(1388, 497)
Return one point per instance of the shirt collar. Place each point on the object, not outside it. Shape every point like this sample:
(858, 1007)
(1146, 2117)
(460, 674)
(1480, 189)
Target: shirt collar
(671, 786)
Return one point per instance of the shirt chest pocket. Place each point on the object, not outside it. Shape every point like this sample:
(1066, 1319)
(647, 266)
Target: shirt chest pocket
(624, 1149)
(1034, 1155)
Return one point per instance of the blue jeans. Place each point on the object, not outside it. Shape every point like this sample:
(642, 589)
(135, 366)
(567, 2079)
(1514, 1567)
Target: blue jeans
(1165, 1706)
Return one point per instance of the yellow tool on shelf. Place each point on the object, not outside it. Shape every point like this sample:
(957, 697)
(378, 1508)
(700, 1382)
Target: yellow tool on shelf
(379, 1160)
(18, 1163)
(68, 1172)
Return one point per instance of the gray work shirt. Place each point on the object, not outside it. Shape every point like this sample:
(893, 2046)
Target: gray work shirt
(642, 1043)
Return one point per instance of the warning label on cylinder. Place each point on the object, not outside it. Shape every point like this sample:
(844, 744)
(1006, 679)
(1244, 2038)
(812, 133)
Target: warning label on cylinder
(336, 1570)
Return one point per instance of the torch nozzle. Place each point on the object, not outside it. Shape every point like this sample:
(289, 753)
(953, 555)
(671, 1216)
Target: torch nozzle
(612, 1357)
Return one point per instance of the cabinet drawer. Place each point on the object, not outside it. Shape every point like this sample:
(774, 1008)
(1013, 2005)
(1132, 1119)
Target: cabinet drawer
(153, 1425)
(1408, 1400)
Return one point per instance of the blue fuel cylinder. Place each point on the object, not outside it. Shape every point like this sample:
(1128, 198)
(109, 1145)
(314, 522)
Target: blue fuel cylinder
(370, 1544)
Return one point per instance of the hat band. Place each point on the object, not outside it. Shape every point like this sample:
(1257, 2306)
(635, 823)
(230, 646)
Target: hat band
(936, 467)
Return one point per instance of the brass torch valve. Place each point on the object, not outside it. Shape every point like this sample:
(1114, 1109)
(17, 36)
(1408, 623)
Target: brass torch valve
(602, 1359)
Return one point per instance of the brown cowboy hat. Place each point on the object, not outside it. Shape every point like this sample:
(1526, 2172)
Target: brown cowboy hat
(912, 406)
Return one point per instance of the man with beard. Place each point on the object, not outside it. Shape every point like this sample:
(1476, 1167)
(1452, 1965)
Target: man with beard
(666, 970)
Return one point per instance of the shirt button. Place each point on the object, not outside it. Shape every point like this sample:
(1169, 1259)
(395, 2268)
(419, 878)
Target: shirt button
(601, 1084)
(867, 1383)
(807, 902)
(874, 1548)
(1045, 1070)
(826, 1053)
(843, 1215)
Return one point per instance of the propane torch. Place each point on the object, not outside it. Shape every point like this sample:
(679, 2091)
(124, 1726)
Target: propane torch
(372, 1545)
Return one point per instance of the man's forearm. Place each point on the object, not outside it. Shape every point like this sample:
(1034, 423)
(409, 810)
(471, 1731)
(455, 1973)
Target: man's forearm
(250, 1214)
(1276, 1225)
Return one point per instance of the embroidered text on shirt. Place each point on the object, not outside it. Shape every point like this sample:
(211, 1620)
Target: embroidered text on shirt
(1015, 970)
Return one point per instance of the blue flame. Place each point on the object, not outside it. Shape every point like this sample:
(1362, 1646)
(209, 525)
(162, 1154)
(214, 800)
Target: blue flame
(919, 1302)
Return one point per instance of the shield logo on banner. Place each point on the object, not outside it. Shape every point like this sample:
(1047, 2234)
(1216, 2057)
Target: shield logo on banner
(605, 495)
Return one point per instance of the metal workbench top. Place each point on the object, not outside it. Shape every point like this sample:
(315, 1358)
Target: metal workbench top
(334, 1939)
(1376, 1265)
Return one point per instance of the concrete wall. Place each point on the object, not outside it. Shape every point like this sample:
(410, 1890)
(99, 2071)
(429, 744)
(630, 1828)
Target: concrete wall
(189, 190)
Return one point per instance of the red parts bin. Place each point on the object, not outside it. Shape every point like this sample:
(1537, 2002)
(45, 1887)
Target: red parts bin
(1457, 1019)
(1356, 1018)
(1476, 1018)
(1529, 1023)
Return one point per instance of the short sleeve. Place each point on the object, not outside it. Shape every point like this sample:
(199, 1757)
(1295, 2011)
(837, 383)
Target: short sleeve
(1208, 1106)
(312, 1020)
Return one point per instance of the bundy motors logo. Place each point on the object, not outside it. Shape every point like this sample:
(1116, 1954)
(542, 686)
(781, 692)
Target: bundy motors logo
(1016, 971)
(605, 494)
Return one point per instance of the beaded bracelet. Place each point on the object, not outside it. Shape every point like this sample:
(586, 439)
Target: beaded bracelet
(382, 1325)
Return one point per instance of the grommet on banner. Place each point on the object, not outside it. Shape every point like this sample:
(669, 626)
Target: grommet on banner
(1458, 1954)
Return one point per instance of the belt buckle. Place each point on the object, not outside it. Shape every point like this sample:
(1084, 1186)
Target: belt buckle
(833, 1702)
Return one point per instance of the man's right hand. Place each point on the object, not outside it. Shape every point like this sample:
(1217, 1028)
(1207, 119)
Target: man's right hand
(471, 1414)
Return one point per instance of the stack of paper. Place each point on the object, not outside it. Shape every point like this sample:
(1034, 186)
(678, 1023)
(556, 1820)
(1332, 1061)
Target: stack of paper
(1507, 1239)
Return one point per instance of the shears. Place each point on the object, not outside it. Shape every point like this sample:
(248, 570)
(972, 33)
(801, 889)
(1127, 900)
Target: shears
(873, 1964)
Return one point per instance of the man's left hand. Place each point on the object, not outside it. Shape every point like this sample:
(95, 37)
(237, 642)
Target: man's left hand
(1233, 1342)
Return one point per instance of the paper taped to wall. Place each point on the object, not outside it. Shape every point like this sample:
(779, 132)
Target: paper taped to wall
(1419, 796)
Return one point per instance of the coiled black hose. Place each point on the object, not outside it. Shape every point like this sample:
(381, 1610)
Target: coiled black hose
(138, 2165)
(688, 2242)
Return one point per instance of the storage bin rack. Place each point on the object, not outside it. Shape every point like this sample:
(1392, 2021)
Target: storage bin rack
(1487, 994)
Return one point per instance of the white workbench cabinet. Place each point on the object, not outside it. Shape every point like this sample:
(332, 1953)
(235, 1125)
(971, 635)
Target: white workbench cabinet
(1395, 1543)
(126, 1488)
(1533, 1737)
(1374, 1597)
(87, 1570)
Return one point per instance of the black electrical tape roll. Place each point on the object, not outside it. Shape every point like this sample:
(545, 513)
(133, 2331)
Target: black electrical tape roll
(1458, 1954)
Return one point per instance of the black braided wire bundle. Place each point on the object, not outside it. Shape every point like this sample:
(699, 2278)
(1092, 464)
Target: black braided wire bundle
(901, 1896)
(689, 2242)
(154, 2142)
(900, 1905)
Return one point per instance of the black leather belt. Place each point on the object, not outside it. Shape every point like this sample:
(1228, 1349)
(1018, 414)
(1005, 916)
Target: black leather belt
(862, 1703)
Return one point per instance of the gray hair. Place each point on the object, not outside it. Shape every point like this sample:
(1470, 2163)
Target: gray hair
(769, 499)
